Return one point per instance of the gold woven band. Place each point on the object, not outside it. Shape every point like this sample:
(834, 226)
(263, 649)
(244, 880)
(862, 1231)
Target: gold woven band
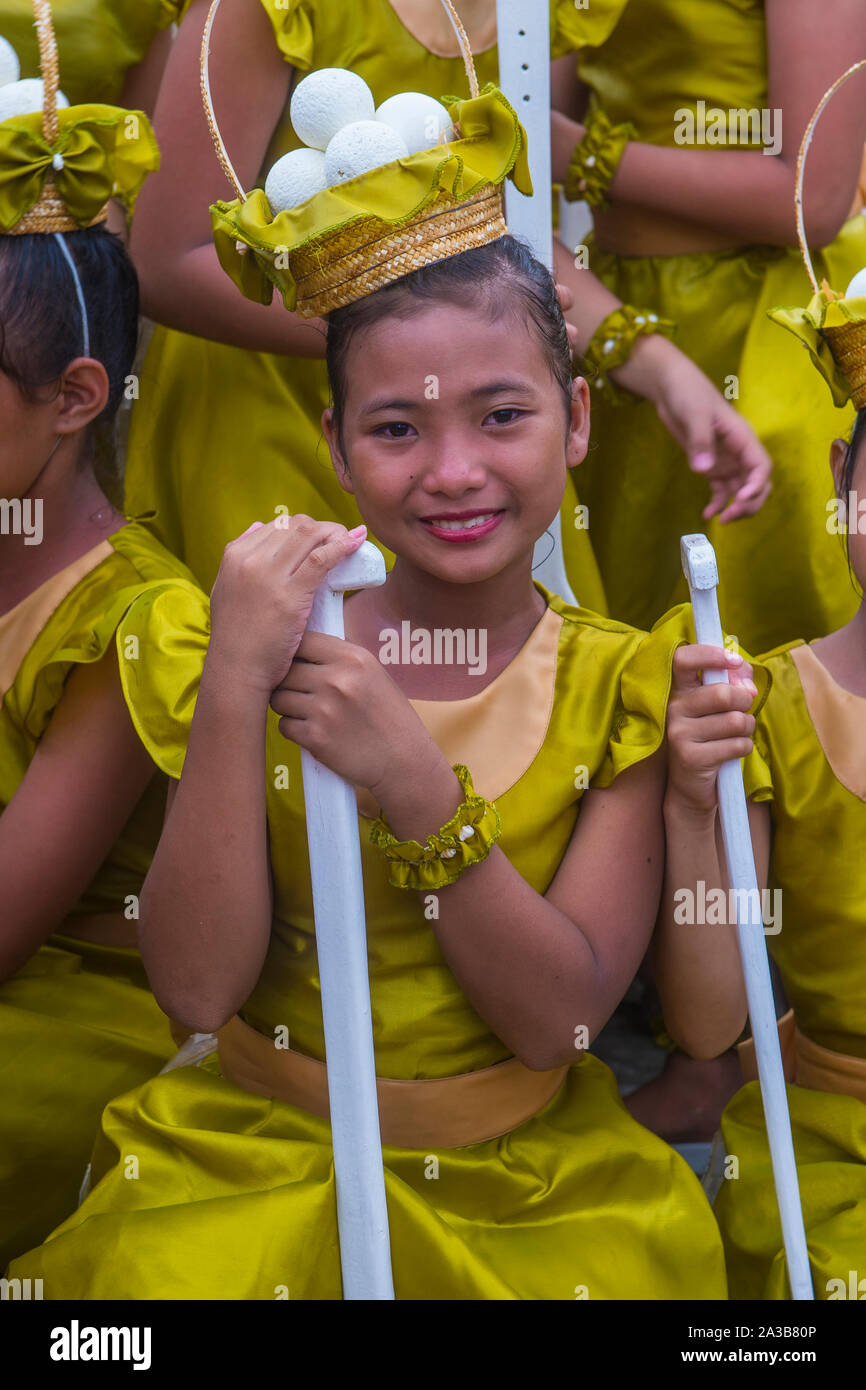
(848, 346)
(370, 253)
(50, 214)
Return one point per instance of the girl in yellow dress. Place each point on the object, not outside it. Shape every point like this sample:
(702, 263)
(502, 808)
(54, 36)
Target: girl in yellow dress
(79, 807)
(512, 1169)
(805, 774)
(694, 220)
(215, 356)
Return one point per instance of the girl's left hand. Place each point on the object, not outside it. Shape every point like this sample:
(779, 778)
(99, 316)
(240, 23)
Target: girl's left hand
(339, 703)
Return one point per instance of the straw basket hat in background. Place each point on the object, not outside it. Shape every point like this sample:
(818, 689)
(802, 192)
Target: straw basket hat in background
(355, 237)
(832, 326)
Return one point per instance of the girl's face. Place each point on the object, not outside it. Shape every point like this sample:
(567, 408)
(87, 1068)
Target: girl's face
(456, 441)
(854, 497)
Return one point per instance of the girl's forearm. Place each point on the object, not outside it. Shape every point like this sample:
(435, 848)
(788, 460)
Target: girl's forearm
(697, 964)
(523, 964)
(206, 905)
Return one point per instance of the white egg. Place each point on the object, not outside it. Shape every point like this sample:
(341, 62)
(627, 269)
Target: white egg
(418, 118)
(327, 100)
(24, 97)
(359, 147)
(10, 68)
(295, 178)
(857, 287)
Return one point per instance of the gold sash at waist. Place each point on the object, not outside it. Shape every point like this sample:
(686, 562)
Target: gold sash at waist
(808, 1064)
(444, 1113)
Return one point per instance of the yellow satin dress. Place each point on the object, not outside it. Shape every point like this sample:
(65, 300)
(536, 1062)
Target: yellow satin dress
(251, 440)
(782, 575)
(98, 41)
(234, 1195)
(816, 785)
(78, 1023)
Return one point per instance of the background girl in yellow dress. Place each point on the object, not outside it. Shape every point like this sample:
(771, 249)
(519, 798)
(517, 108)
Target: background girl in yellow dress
(517, 962)
(79, 808)
(806, 778)
(227, 429)
(702, 232)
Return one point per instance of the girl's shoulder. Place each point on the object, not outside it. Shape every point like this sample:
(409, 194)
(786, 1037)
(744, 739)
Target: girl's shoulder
(77, 616)
(573, 27)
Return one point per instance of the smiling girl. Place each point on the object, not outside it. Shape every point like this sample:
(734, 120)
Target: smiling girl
(512, 1169)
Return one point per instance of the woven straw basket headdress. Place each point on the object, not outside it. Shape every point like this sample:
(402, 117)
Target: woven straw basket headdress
(355, 238)
(832, 327)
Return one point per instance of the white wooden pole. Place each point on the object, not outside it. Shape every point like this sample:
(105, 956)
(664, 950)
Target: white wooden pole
(523, 37)
(700, 569)
(341, 941)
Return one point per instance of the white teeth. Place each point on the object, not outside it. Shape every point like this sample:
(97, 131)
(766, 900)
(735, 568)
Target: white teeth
(465, 524)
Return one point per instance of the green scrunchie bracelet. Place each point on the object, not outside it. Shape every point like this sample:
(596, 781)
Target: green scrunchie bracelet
(611, 345)
(467, 838)
(595, 160)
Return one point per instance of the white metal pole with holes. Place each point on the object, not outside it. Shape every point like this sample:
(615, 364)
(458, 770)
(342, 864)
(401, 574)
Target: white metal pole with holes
(523, 37)
(341, 942)
(701, 572)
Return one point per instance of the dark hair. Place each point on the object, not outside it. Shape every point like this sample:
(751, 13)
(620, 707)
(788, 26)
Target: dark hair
(501, 277)
(41, 327)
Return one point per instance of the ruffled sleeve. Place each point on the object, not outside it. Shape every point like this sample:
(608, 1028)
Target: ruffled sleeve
(161, 647)
(572, 27)
(645, 685)
(293, 30)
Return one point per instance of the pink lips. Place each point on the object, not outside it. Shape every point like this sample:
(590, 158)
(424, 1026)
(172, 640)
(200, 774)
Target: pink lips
(464, 534)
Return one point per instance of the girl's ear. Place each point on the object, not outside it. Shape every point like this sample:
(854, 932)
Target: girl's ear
(838, 455)
(578, 433)
(83, 395)
(341, 468)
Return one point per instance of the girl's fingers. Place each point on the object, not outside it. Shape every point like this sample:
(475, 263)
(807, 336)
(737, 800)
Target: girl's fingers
(706, 700)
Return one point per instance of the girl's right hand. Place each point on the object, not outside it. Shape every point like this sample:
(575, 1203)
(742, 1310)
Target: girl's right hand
(263, 594)
(707, 725)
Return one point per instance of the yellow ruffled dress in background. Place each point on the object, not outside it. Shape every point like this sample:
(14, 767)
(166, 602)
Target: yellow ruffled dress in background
(234, 1195)
(98, 41)
(782, 575)
(78, 1023)
(818, 810)
(251, 440)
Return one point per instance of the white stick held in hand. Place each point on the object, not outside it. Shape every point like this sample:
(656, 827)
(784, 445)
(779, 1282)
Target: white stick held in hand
(341, 941)
(701, 572)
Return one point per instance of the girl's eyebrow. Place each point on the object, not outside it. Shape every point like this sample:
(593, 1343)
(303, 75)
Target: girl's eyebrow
(493, 388)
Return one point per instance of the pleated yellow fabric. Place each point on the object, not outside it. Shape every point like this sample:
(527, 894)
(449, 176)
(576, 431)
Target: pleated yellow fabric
(783, 575)
(98, 41)
(238, 405)
(78, 1023)
(818, 828)
(234, 1196)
